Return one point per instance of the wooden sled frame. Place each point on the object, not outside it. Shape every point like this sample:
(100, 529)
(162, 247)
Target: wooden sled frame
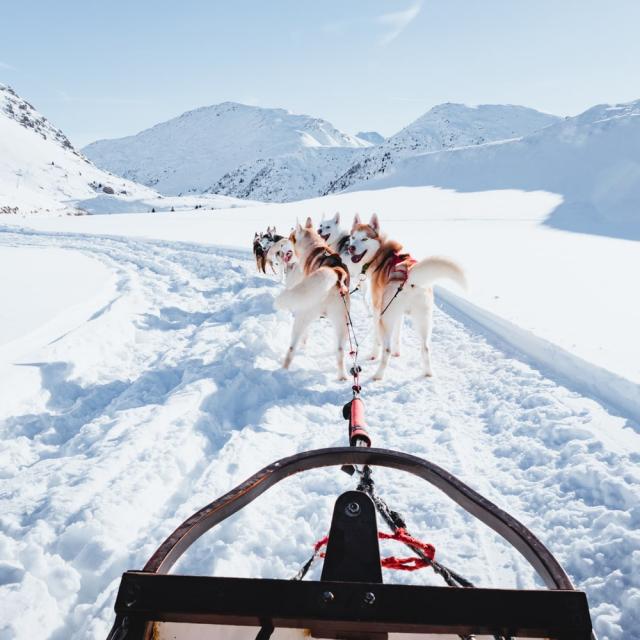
(151, 595)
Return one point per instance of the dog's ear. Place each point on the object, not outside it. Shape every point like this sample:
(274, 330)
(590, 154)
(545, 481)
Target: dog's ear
(255, 235)
(374, 223)
(309, 223)
(336, 218)
(356, 221)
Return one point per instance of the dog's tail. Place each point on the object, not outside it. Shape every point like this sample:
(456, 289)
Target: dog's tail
(308, 292)
(429, 270)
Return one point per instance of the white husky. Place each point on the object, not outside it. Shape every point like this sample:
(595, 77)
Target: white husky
(284, 263)
(338, 239)
(399, 285)
(322, 291)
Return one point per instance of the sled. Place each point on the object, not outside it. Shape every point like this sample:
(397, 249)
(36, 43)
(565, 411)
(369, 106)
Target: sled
(350, 600)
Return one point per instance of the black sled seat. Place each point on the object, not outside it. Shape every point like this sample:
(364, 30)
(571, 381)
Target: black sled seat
(349, 601)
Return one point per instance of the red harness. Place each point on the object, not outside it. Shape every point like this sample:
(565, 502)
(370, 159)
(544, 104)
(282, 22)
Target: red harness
(398, 267)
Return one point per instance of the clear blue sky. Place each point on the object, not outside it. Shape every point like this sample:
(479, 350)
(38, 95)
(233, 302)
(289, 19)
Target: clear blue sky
(108, 69)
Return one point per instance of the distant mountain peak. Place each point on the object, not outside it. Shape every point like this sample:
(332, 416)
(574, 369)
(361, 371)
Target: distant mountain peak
(370, 136)
(445, 126)
(192, 152)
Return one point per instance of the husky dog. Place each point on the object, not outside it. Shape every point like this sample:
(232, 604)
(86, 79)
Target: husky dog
(399, 285)
(322, 291)
(282, 259)
(338, 240)
(261, 244)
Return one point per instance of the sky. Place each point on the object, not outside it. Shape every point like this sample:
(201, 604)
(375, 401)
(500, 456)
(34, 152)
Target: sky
(105, 70)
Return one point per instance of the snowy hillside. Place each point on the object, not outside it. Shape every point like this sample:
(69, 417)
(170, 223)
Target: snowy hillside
(445, 126)
(228, 148)
(293, 176)
(591, 160)
(40, 171)
(370, 136)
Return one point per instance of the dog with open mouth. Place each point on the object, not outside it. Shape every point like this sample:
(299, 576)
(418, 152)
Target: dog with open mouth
(322, 291)
(283, 261)
(399, 285)
(338, 239)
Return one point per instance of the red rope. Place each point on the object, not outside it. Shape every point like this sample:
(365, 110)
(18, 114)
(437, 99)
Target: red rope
(401, 534)
(401, 564)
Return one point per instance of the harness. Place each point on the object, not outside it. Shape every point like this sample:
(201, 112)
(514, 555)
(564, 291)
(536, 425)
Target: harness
(398, 271)
(361, 278)
(324, 258)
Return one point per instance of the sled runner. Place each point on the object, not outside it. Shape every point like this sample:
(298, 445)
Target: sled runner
(350, 601)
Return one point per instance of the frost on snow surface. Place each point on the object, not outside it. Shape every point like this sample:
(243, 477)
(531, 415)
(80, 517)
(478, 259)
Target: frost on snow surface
(170, 392)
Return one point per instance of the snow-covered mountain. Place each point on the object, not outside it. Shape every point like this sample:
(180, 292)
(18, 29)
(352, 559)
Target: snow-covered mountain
(445, 126)
(41, 171)
(370, 136)
(231, 148)
(294, 176)
(592, 160)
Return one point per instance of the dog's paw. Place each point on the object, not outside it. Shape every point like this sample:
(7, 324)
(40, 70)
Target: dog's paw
(342, 378)
(395, 354)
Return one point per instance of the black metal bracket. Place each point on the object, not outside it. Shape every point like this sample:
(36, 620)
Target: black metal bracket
(353, 554)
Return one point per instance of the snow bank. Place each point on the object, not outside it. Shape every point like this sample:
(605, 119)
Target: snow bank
(552, 359)
(63, 288)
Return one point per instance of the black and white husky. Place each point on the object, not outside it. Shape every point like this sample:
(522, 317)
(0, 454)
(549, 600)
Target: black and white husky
(338, 240)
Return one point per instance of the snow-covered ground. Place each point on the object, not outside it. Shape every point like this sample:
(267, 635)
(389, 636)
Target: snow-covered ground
(168, 391)
(564, 299)
(38, 273)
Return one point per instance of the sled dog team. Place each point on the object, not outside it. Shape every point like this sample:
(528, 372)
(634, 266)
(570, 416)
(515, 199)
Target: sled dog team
(320, 268)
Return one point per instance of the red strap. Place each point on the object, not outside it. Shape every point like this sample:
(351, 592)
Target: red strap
(401, 534)
(402, 564)
(398, 267)
(318, 545)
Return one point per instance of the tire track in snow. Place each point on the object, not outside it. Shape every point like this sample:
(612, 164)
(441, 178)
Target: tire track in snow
(173, 394)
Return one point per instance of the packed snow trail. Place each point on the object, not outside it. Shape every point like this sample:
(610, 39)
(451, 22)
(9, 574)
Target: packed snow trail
(172, 393)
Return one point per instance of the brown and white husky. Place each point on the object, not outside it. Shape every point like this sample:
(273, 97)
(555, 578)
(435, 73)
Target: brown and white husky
(283, 261)
(395, 273)
(323, 291)
(338, 239)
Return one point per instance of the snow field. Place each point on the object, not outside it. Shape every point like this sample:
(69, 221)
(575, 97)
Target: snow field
(568, 292)
(172, 394)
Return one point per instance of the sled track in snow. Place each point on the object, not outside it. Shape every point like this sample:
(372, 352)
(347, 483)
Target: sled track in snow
(172, 393)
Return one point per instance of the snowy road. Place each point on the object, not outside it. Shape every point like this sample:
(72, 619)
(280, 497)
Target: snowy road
(172, 393)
